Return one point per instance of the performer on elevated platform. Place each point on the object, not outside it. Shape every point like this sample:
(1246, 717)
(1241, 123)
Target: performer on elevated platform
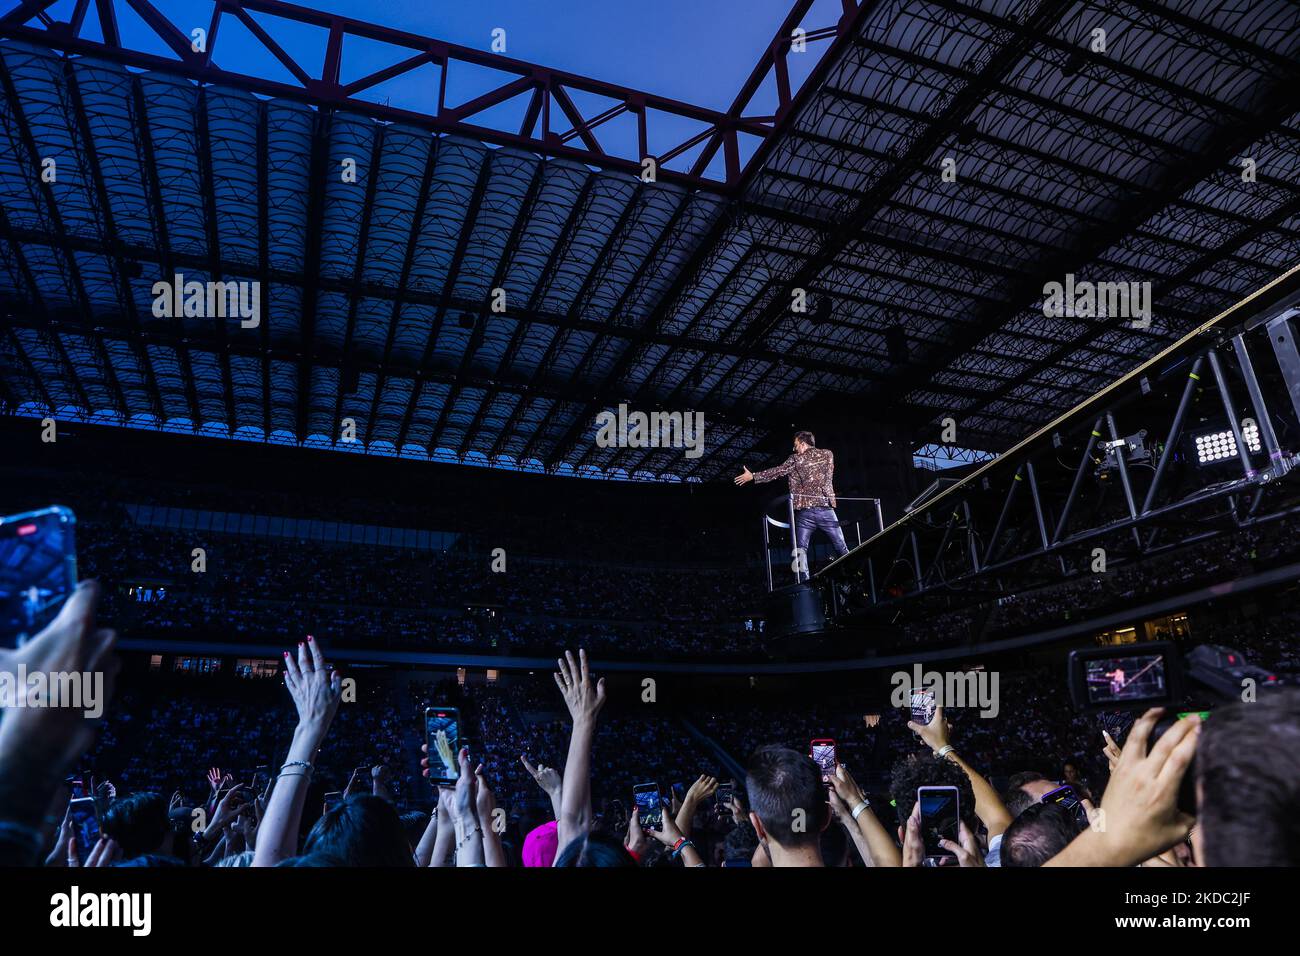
(811, 473)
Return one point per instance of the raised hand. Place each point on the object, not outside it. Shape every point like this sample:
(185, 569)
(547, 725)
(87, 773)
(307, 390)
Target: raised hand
(574, 680)
(51, 739)
(548, 778)
(845, 787)
(1140, 806)
(745, 477)
(315, 686)
(701, 789)
(227, 809)
(935, 733)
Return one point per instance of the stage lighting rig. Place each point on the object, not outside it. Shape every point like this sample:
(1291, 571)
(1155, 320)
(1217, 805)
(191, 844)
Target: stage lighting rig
(1220, 445)
(1133, 447)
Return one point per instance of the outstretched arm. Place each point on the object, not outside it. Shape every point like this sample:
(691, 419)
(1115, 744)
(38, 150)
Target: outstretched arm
(584, 700)
(988, 805)
(316, 690)
(767, 474)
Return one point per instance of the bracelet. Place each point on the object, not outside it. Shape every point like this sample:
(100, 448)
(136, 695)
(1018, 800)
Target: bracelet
(682, 844)
(469, 836)
(944, 751)
(296, 763)
(858, 810)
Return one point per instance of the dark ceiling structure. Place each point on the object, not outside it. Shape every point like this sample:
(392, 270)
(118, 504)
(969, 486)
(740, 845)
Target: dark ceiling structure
(1111, 141)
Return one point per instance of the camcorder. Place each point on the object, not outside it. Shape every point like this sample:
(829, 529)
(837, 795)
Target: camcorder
(1115, 682)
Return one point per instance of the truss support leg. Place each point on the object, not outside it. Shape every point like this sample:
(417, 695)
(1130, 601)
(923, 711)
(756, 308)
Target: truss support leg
(1176, 429)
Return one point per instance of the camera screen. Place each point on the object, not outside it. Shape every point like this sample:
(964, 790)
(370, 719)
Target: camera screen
(37, 572)
(938, 819)
(442, 731)
(824, 756)
(922, 706)
(1125, 678)
(85, 825)
(651, 808)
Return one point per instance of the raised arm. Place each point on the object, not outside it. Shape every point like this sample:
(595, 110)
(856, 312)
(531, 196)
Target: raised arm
(701, 789)
(40, 745)
(428, 840)
(445, 840)
(584, 700)
(316, 690)
(494, 853)
(873, 841)
(469, 832)
(988, 805)
(1140, 806)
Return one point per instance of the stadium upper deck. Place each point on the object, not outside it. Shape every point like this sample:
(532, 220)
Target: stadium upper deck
(1110, 141)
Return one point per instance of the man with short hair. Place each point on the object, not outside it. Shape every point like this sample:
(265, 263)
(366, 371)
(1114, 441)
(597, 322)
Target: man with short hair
(1025, 789)
(787, 805)
(1038, 833)
(811, 474)
(1248, 783)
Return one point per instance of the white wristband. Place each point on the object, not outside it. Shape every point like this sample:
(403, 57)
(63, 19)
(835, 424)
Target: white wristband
(858, 810)
(944, 751)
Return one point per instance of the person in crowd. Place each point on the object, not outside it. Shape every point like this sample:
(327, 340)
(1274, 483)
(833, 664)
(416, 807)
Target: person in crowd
(1179, 792)
(1038, 833)
(787, 805)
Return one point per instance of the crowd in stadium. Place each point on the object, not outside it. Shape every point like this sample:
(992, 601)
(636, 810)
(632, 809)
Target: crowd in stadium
(198, 778)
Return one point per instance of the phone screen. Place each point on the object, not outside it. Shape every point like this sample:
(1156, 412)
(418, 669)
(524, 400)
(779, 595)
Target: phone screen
(724, 795)
(922, 706)
(38, 570)
(939, 815)
(823, 754)
(333, 800)
(649, 804)
(442, 733)
(1133, 678)
(83, 814)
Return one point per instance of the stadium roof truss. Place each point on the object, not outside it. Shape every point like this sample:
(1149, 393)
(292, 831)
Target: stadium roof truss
(1113, 141)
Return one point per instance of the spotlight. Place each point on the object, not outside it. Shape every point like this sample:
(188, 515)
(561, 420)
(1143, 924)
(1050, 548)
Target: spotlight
(1217, 446)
